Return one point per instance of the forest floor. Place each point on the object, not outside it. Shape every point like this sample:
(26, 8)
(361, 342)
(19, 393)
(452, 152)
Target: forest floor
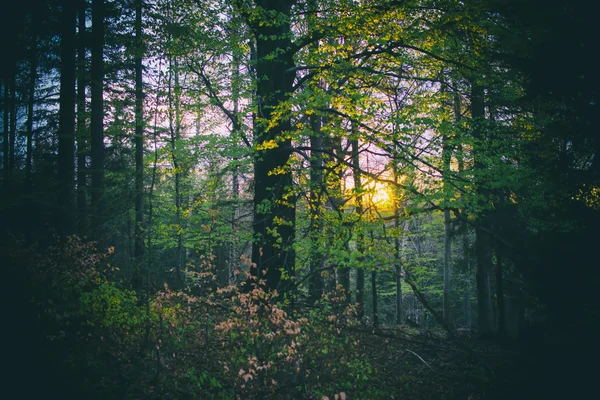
(426, 365)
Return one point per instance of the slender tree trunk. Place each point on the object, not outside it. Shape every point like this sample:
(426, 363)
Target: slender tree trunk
(139, 146)
(174, 126)
(235, 182)
(97, 118)
(30, 105)
(374, 303)
(360, 272)
(447, 188)
(82, 136)
(317, 261)
(13, 122)
(482, 239)
(274, 200)
(337, 200)
(500, 293)
(398, 254)
(317, 258)
(66, 137)
(447, 290)
(465, 238)
(5, 137)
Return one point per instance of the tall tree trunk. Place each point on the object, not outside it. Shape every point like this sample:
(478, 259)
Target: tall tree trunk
(66, 136)
(82, 136)
(482, 239)
(30, 105)
(336, 202)
(317, 260)
(374, 298)
(447, 290)
(139, 146)
(500, 293)
(274, 200)
(235, 180)
(374, 303)
(13, 122)
(398, 254)
(360, 272)
(97, 118)
(5, 137)
(447, 188)
(465, 238)
(174, 127)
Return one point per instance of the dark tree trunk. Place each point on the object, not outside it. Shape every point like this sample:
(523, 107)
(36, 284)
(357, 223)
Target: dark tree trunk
(316, 284)
(397, 254)
(5, 137)
(82, 139)
(30, 104)
(13, 122)
(274, 200)
(447, 290)
(97, 117)
(317, 257)
(139, 146)
(374, 298)
(500, 294)
(174, 126)
(360, 272)
(483, 248)
(66, 136)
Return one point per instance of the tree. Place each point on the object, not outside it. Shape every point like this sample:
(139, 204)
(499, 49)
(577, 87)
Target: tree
(274, 201)
(139, 142)
(97, 111)
(66, 137)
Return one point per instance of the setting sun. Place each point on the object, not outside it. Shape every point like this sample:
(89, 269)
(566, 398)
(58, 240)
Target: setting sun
(378, 194)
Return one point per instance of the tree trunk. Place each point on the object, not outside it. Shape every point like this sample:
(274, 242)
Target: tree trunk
(374, 303)
(233, 255)
(5, 137)
(30, 104)
(97, 117)
(13, 122)
(174, 128)
(398, 254)
(316, 285)
(139, 147)
(66, 136)
(482, 239)
(360, 272)
(500, 294)
(82, 136)
(447, 290)
(274, 200)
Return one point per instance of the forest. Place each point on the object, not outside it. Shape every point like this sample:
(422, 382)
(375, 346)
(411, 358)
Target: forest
(300, 199)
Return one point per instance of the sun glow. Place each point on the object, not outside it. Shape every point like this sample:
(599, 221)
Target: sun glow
(378, 194)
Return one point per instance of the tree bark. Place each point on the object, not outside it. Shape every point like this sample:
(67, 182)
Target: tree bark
(447, 290)
(482, 239)
(360, 272)
(66, 136)
(174, 128)
(82, 136)
(30, 106)
(97, 117)
(500, 301)
(274, 200)
(139, 146)
(5, 137)
(398, 254)
(13, 122)
(317, 260)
